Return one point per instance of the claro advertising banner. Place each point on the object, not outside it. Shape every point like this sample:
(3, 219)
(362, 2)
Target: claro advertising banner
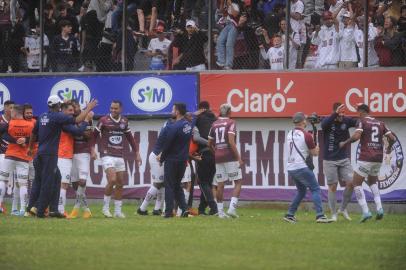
(141, 94)
(262, 144)
(282, 94)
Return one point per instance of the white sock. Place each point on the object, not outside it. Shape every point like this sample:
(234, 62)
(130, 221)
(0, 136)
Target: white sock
(117, 206)
(62, 201)
(159, 198)
(78, 197)
(187, 195)
(377, 196)
(179, 212)
(359, 193)
(16, 198)
(23, 197)
(151, 194)
(2, 191)
(220, 208)
(233, 203)
(106, 202)
(83, 198)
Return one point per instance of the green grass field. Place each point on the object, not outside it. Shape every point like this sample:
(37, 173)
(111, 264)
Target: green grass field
(259, 239)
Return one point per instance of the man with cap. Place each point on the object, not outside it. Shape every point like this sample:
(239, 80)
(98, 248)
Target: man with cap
(158, 49)
(47, 131)
(300, 145)
(348, 52)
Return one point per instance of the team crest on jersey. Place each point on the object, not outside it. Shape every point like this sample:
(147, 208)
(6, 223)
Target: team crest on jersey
(343, 126)
(122, 126)
(392, 164)
(279, 53)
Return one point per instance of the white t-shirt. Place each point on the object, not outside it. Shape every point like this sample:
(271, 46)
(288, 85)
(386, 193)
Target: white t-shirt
(373, 59)
(297, 25)
(32, 43)
(275, 57)
(156, 44)
(348, 51)
(328, 46)
(304, 142)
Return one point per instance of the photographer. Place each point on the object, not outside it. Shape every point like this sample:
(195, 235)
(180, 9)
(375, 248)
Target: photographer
(301, 146)
(336, 161)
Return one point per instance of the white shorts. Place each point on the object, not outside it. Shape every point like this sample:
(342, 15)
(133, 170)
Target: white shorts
(80, 167)
(228, 171)
(7, 167)
(187, 177)
(365, 168)
(31, 170)
(157, 171)
(116, 163)
(65, 167)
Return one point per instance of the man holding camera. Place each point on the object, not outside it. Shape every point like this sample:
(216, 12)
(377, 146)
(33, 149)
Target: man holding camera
(336, 160)
(300, 146)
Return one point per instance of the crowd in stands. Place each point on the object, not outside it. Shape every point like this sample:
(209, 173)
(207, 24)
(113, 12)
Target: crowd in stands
(83, 35)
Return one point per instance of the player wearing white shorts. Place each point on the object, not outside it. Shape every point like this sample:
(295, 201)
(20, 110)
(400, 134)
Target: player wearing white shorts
(222, 139)
(65, 152)
(83, 152)
(157, 189)
(370, 132)
(16, 157)
(113, 129)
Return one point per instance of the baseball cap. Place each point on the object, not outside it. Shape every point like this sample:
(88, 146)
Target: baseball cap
(53, 100)
(298, 117)
(190, 23)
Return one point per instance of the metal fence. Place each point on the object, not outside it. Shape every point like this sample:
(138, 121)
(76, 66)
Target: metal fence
(58, 36)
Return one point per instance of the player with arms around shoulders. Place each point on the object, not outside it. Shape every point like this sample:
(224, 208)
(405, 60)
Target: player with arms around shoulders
(370, 133)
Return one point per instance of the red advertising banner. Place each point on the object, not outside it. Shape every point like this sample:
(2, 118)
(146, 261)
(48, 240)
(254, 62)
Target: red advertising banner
(267, 94)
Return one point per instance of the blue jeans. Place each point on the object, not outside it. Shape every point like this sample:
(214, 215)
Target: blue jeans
(225, 45)
(304, 178)
(115, 25)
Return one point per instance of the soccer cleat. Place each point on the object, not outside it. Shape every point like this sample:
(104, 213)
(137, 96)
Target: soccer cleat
(28, 214)
(56, 215)
(33, 211)
(365, 217)
(3, 209)
(142, 213)
(334, 218)
(223, 215)
(21, 213)
(379, 214)
(323, 219)
(15, 212)
(74, 213)
(185, 214)
(345, 214)
(232, 213)
(106, 213)
(119, 215)
(290, 219)
(87, 214)
(156, 212)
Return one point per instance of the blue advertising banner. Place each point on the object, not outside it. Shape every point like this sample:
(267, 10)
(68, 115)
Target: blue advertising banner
(141, 94)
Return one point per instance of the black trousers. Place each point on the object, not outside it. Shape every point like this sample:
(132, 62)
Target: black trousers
(173, 174)
(206, 169)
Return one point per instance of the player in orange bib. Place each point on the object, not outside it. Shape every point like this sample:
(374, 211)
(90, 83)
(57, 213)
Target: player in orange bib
(16, 157)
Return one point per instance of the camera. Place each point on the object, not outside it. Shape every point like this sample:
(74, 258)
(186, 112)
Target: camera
(314, 118)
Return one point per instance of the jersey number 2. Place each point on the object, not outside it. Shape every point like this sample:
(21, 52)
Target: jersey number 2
(374, 134)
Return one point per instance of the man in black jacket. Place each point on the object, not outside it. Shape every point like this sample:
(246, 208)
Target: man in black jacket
(206, 168)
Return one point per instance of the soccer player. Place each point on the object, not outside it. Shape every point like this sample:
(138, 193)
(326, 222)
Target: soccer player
(16, 157)
(113, 128)
(65, 152)
(300, 145)
(222, 140)
(336, 161)
(157, 188)
(370, 132)
(8, 106)
(83, 151)
(45, 188)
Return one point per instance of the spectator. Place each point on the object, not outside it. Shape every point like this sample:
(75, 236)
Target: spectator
(32, 49)
(298, 27)
(348, 52)
(337, 7)
(402, 20)
(92, 30)
(64, 15)
(16, 42)
(228, 36)
(132, 46)
(158, 50)
(191, 46)
(81, 14)
(373, 60)
(312, 7)
(102, 8)
(5, 28)
(294, 43)
(275, 54)
(104, 60)
(389, 45)
(272, 20)
(327, 40)
(118, 13)
(65, 47)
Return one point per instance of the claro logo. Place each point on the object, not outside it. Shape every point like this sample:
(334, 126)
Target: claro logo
(377, 102)
(249, 101)
(151, 94)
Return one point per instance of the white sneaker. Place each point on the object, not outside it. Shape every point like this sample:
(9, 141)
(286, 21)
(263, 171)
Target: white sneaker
(223, 215)
(119, 215)
(345, 214)
(334, 218)
(232, 213)
(106, 213)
